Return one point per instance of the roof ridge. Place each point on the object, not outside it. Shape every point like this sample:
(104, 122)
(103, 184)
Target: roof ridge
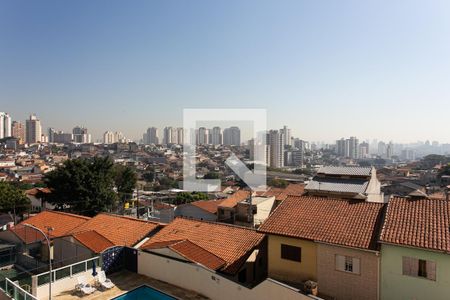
(67, 214)
(128, 218)
(217, 223)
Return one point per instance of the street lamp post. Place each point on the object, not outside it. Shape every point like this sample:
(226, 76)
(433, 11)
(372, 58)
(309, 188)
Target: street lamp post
(49, 256)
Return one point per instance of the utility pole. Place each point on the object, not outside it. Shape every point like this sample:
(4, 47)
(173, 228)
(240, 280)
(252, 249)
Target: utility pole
(137, 202)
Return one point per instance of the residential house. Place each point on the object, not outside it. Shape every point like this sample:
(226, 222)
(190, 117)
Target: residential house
(330, 241)
(227, 208)
(36, 197)
(346, 182)
(30, 245)
(100, 233)
(415, 247)
(200, 210)
(253, 211)
(238, 253)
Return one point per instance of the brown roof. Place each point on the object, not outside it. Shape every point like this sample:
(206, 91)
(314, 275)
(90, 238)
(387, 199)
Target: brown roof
(293, 189)
(192, 252)
(422, 223)
(120, 230)
(231, 244)
(93, 240)
(208, 205)
(343, 222)
(62, 223)
(35, 191)
(235, 198)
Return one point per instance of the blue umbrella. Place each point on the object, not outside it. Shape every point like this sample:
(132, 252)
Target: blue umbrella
(94, 267)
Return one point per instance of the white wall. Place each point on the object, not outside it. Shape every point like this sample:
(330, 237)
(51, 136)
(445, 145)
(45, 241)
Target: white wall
(203, 281)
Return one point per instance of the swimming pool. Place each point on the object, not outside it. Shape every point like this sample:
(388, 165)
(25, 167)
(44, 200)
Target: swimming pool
(144, 292)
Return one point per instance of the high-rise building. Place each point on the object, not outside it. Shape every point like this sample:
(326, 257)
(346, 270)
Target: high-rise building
(203, 136)
(389, 150)
(363, 150)
(180, 135)
(216, 136)
(341, 148)
(286, 132)
(62, 138)
(119, 137)
(151, 136)
(51, 135)
(33, 130)
(109, 137)
(382, 149)
(170, 135)
(276, 147)
(232, 136)
(18, 131)
(5, 125)
(81, 135)
(353, 147)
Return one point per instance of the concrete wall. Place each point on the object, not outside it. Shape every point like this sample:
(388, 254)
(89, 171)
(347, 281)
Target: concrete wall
(208, 283)
(292, 271)
(396, 286)
(343, 285)
(67, 250)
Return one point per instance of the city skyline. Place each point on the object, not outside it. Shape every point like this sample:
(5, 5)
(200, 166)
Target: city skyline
(340, 69)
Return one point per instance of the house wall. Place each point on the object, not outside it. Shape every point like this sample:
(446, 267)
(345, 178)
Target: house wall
(191, 211)
(210, 284)
(292, 271)
(67, 250)
(396, 286)
(342, 285)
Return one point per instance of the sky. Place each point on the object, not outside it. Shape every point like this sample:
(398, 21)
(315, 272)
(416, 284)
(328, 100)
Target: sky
(326, 69)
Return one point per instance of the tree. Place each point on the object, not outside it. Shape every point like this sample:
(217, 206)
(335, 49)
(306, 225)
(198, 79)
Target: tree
(148, 176)
(279, 183)
(84, 186)
(186, 197)
(125, 179)
(13, 199)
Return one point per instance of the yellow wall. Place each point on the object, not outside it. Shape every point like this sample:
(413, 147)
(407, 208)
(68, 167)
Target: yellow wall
(287, 270)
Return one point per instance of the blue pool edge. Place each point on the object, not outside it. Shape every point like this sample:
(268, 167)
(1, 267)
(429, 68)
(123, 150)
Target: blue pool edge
(145, 285)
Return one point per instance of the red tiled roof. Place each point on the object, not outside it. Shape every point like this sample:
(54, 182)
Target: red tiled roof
(230, 243)
(120, 230)
(93, 240)
(62, 223)
(422, 223)
(293, 189)
(192, 252)
(208, 205)
(336, 221)
(235, 198)
(35, 191)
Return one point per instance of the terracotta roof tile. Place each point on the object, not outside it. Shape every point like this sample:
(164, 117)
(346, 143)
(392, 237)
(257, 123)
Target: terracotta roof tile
(120, 230)
(93, 240)
(230, 243)
(62, 223)
(235, 198)
(208, 205)
(197, 254)
(336, 221)
(423, 223)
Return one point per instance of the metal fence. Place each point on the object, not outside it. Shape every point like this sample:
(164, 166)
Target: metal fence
(16, 292)
(68, 271)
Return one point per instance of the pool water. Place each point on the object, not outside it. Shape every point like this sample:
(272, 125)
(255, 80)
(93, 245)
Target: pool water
(143, 293)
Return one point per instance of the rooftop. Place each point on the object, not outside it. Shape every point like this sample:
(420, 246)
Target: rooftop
(349, 171)
(357, 186)
(238, 196)
(422, 223)
(60, 222)
(119, 230)
(342, 222)
(230, 243)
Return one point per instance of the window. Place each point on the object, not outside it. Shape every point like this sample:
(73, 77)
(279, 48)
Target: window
(291, 252)
(419, 268)
(348, 264)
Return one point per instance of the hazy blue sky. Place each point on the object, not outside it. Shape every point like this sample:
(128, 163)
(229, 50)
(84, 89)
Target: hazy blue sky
(325, 68)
